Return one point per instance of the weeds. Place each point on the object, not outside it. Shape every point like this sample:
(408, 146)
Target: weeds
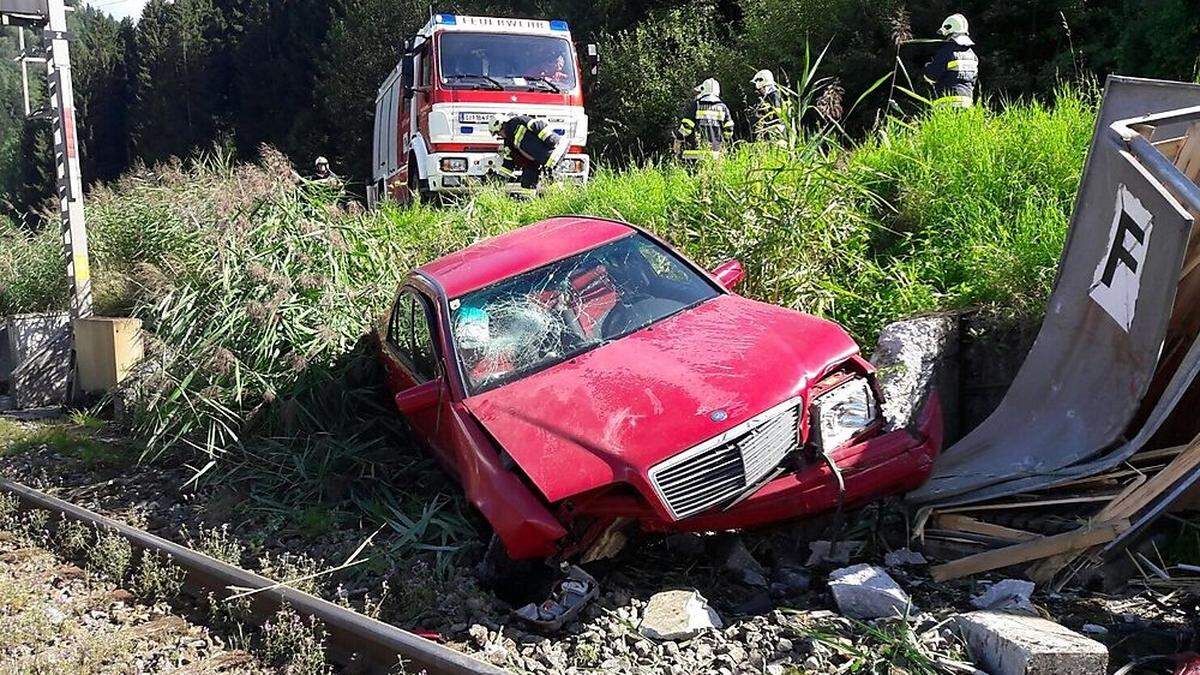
(157, 577)
(295, 644)
(216, 542)
(110, 555)
(73, 537)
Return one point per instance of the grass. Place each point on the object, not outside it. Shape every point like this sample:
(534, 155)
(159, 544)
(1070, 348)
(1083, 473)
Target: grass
(258, 288)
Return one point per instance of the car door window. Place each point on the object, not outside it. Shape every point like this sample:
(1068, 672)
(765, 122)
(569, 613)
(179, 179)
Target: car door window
(409, 332)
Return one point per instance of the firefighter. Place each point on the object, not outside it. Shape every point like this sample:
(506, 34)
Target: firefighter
(954, 67)
(323, 173)
(530, 145)
(768, 113)
(706, 125)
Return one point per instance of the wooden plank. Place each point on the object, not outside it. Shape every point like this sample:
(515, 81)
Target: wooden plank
(1030, 504)
(1042, 547)
(1170, 147)
(952, 521)
(1188, 160)
(1183, 465)
(1150, 455)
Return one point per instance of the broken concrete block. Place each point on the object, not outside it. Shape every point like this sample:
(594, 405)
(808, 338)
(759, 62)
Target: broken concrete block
(1010, 595)
(823, 552)
(867, 592)
(914, 357)
(902, 557)
(1010, 644)
(677, 615)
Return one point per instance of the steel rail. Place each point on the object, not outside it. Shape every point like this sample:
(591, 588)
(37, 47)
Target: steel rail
(355, 640)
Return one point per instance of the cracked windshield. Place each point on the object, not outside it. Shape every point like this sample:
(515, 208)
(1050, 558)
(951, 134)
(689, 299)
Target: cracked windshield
(482, 61)
(542, 317)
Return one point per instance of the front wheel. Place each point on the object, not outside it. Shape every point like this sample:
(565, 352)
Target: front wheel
(516, 582)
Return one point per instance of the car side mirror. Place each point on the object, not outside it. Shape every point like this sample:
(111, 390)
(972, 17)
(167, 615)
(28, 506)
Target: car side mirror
(420, 397)
(730, 273)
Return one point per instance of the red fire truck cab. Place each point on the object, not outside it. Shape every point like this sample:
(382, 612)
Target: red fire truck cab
(457, 73)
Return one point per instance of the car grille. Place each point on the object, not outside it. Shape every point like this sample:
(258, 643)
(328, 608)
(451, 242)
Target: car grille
(723, 468)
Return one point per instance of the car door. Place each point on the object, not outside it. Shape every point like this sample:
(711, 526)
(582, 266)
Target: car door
(412, 359)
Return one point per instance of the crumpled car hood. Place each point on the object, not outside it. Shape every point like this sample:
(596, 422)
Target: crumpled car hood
(617, 410)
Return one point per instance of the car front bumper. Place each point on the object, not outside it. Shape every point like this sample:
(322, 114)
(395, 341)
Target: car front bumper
(887, 464)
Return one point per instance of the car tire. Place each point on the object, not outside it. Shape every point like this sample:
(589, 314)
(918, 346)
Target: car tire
(516, 582)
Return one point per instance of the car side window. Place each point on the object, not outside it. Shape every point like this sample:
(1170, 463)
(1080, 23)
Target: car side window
(410, 333)
(662, 264)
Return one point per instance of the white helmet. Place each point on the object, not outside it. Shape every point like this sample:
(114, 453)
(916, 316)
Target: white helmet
(763, 79)
(709, 87)
(955, 24)
(496, 125)
(321, 161)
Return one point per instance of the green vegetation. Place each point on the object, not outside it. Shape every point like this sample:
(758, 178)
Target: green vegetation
(259, 288)
(302, 75)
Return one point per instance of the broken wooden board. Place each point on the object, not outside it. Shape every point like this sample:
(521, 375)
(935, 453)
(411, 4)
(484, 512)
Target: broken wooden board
(960, 523)
(1188, 159)
(1036, 549)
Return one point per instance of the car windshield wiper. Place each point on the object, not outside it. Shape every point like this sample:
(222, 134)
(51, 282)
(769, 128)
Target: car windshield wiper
(543, 80)
(496, 84)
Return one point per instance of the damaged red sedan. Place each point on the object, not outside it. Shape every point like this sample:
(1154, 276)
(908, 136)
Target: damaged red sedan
(585, 382)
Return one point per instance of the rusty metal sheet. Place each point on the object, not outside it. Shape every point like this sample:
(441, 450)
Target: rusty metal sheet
(1068, 412)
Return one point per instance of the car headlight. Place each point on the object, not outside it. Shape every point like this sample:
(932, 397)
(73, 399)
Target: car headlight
(840, 414)
(454, 164)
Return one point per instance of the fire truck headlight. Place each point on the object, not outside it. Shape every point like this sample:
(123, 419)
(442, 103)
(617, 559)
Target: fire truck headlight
(454, 165)
(571, 165)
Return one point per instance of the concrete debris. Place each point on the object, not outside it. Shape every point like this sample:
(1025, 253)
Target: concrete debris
(1009, 644)
(677, 615)
(827, 553)
(913, 356)
(867, 592)
(788, 581)
(1093, 629)
(902, 557)
(1010, 595)
(742, 566)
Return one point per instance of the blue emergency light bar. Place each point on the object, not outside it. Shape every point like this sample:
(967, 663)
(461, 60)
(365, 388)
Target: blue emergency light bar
(446, 19)
(558, 24)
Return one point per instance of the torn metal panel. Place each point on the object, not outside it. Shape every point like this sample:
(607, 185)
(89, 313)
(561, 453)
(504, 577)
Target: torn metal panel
(1069, 411)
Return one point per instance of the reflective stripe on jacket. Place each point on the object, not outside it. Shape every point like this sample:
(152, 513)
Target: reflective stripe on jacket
(954, 71)
(706, 123)
(530, 139)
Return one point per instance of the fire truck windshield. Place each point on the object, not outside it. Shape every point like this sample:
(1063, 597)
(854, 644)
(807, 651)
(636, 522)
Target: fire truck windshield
(525, 62)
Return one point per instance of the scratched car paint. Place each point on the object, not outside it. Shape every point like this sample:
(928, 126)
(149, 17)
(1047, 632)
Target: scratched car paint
(585, 382)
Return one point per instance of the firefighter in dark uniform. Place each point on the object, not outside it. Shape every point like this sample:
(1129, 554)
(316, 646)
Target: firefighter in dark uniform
(706, 125)
(768, 112)
(955, 67)
(530, 145)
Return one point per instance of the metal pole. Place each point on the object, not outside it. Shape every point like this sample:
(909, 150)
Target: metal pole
(66, 158)
(24, 69)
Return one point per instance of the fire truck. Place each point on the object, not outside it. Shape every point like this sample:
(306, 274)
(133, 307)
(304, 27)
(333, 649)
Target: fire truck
(456, 75)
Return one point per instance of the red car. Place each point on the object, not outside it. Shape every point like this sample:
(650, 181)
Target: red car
(584, 381)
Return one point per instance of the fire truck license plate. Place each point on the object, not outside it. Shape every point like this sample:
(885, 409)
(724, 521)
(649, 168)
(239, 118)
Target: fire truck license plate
(474, 118)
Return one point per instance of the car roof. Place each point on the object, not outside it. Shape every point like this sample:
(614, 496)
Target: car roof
(497, 258)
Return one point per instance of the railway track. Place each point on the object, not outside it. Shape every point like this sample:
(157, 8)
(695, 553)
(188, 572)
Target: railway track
(356, 642)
